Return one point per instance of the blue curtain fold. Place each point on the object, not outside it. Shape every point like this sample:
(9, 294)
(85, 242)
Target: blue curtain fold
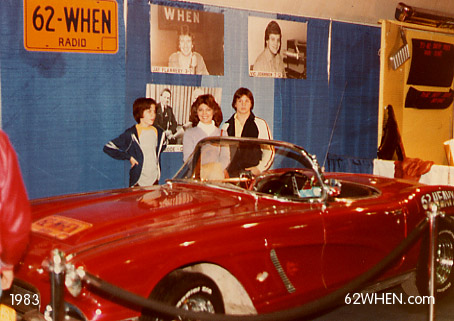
(354, 90)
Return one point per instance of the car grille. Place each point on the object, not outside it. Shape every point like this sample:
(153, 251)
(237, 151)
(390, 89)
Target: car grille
(21, 290)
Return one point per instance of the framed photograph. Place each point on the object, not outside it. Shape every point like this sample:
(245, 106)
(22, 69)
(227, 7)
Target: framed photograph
(276, 48)
(186, 41)
(173, 107)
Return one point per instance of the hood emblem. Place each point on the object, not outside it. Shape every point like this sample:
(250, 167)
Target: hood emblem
(59, 227)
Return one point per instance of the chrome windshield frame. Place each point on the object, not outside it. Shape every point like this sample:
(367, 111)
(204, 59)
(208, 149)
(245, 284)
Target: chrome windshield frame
(309, 158)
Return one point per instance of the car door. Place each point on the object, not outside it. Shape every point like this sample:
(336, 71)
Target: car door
(359, 234)
(295, 245)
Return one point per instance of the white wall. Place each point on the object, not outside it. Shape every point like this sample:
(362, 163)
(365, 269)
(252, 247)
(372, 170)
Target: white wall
(358, 11)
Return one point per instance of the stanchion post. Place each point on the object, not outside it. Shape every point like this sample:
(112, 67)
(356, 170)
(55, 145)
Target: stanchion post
(433, 233)
(57, 279)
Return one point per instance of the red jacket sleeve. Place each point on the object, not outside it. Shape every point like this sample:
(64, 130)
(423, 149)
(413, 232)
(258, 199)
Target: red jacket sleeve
(15, 217)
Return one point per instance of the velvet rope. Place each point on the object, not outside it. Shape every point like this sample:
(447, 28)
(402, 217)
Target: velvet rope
(297, 313)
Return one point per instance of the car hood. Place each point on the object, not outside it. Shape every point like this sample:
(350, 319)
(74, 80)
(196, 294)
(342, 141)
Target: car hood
(102, 217)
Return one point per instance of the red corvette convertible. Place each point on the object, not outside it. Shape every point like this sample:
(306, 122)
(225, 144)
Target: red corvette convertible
(219, 239)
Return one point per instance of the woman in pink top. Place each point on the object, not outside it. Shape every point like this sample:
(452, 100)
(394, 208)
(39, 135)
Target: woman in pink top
(206, 116)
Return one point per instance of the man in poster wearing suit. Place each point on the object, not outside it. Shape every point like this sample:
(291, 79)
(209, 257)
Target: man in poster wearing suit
(165, 117)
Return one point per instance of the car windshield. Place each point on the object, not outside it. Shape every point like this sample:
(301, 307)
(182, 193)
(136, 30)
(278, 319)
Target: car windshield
(268, 167)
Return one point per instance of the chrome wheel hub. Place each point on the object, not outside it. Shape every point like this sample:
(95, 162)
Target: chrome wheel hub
(445, 257)
(198, 304)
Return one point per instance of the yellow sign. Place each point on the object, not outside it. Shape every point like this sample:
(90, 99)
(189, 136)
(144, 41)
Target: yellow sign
(71, 25)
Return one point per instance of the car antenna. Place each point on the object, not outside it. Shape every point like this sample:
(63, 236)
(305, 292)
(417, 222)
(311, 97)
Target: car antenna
(334, 125)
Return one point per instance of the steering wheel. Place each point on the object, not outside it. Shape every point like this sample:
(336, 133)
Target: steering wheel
(291, 183)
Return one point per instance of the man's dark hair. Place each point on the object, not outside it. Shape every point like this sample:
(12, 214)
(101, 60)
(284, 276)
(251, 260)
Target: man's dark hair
(140, 105)
(273, 28)
(240, 92)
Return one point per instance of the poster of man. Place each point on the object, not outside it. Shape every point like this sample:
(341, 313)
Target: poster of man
(174, 107)
(186, 41)
(276, 48)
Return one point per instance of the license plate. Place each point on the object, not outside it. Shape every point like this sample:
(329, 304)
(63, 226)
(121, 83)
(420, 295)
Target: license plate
(7, 313)
(88, 26)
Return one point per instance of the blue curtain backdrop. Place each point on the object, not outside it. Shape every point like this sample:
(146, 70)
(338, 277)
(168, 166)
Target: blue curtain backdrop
(310, 112)
(303, 105)
(355, 77)
(59, 109)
